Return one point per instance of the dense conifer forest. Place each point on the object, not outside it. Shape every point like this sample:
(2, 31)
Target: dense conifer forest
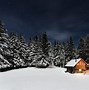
(38, 52)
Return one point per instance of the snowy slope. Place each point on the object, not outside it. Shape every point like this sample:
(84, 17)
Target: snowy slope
(42, 79)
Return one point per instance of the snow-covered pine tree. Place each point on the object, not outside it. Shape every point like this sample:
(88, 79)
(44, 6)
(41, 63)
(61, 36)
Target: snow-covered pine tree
(45, 44)
(59, 54)
(62, 56)
(87, 48)
(23, 48)
(4, 48)
(16, 47)
(2, 27)
(35, 51)
(65, 46)
(51, 55)
(81, 49)
(70, 50)
(46, 48)
(39, 54)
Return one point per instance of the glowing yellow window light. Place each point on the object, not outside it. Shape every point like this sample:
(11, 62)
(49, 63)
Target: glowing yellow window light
(80, 70)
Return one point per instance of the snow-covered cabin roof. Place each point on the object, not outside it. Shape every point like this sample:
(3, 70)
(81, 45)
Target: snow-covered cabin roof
(73, 62)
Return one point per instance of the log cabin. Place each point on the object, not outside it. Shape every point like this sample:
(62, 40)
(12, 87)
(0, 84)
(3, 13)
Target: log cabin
(76, 66)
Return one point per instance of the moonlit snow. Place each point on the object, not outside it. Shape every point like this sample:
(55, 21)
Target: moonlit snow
(42, 79)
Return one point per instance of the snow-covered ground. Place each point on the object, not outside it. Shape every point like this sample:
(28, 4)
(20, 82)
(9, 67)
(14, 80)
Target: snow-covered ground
(42, 79)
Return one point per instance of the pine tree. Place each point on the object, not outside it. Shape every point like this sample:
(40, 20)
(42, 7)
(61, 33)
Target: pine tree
(38, 57)
(81, 48)
(59, 54)
(51, 55)
(35, 51)
(70, 50)
(4, 45)
(87, 48)
(23, 47)
(17, 48)
(81, 44)
(45, 44)
(2, 27)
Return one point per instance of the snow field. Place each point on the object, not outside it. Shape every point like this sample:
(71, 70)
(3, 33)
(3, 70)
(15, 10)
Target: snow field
(42, 79)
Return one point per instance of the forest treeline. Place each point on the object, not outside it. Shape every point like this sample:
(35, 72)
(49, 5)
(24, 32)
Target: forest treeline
(38, 52)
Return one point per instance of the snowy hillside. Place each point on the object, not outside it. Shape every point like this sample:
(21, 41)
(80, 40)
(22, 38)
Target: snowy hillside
(42, 79)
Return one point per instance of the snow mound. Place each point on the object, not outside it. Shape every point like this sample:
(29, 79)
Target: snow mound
(42, 79)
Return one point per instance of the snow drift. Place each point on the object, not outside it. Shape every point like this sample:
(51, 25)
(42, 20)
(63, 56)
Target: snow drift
(42, 79)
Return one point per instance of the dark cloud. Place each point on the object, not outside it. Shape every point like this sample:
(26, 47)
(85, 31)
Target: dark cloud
(59, 18)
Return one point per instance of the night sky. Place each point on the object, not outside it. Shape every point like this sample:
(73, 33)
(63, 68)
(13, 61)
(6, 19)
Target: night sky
(59, 18)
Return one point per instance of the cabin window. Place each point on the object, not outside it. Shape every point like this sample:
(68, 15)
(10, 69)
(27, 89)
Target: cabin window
(80, 70)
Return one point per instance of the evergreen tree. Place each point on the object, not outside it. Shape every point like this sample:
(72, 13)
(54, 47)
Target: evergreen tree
(59, 54)
(81, 44)
(2, 27)
(45, 44)
(37, 57)
(4, 45)
(51, 55)
(87, 48)
(17, 46)
(81, 48)
(70, 50)
(23, 47)
(35, 52)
